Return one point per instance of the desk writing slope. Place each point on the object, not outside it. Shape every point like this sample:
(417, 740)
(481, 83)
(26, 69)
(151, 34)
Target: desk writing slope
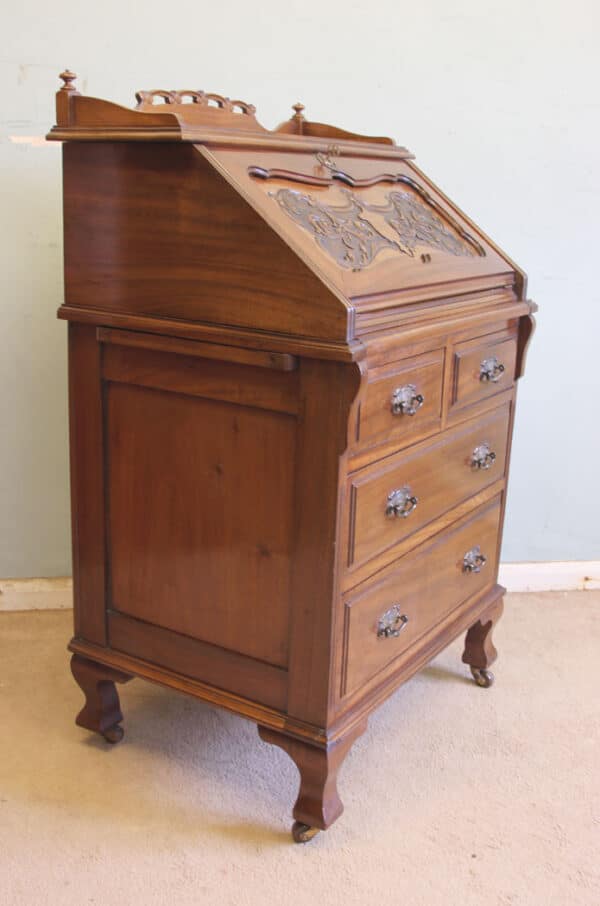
(293, 367)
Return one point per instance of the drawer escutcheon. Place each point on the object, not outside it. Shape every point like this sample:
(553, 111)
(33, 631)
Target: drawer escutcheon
(474, 560)
(391, 623)
(406, 400)
(401, 503)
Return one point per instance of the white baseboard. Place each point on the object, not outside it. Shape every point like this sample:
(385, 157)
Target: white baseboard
(552, 575)
(36, 594)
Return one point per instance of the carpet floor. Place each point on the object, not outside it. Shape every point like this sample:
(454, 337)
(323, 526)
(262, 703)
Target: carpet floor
(455, 796)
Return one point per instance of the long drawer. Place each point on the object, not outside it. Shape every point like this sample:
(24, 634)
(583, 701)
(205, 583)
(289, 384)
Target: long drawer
(387, 615)
(391, 500)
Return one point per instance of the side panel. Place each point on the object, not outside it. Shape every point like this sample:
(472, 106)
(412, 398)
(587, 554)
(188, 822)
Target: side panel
(153, 229)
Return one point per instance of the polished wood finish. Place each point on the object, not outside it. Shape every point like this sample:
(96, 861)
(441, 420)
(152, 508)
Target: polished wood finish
(318, 803)
(428, 583)
(377, 421)
(102, 710)
(439, 475)
(469, 358)
(288, 473)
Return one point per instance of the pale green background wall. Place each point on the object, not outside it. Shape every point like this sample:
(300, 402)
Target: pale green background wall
(498, 100)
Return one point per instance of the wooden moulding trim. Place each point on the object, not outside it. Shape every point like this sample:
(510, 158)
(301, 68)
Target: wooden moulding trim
(237, 704)
(431, 294)
(414, 328)
(229, 670)
(351, 351)
(220, 138)
(115, 134)
(278, 361)
(418, 656)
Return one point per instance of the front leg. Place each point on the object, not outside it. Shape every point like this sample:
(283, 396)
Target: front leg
(479, 651)
(102, 710)
(318, 804)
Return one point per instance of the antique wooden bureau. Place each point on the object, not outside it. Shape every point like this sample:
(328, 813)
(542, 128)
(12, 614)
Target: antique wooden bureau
(293, 367)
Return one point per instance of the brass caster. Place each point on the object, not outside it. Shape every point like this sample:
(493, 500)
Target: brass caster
(302, 833)
(482, 677)
(114, 734)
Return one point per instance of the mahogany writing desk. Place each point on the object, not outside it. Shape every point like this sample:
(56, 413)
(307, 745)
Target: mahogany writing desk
(293, 367)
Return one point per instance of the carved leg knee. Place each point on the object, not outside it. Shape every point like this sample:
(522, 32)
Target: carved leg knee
(101, 712)
(479, 651)
(318, 804)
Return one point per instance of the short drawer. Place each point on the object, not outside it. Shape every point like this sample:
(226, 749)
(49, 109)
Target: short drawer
(389, 615)
(483, 367)
(403, 400)
(392, 499)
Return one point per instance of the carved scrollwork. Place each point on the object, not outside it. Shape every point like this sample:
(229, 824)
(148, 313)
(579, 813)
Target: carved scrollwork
(349, 238)
(417, 223)
(352, 240)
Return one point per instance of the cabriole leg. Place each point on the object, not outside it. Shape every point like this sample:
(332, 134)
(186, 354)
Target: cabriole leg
(318, 804)
(102, 711)
(479, 651)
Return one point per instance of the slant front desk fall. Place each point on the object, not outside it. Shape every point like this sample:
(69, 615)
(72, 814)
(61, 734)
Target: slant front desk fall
(293, 366)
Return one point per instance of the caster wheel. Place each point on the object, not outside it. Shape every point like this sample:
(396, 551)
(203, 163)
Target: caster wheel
(482, 677)
(302, 833)
(114, 734)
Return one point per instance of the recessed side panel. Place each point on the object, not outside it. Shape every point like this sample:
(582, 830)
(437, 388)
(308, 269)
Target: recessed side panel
(200, 512)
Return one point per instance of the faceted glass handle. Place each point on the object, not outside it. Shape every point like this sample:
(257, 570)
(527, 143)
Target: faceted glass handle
(483, 457)
(491, 370)
(406, 400)
(401, 503)
(474, 560)
(391, 623)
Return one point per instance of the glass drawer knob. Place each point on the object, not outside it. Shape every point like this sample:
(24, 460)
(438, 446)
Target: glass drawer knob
(406, 400)
(474, 560)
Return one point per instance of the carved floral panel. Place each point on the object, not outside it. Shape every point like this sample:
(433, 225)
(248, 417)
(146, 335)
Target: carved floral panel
(349, 238)
(353, 241)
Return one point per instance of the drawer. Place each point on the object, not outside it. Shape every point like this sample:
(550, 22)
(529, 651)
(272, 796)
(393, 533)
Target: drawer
(482, 367)
(388, 616)
(392, 499)
(403, 400)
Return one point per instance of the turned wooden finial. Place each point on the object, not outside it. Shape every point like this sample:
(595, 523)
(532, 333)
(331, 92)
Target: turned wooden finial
(67, 76)
(66, 96)
(298, 117)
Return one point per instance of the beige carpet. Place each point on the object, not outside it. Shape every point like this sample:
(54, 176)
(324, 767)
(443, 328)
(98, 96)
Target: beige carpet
(455, 796)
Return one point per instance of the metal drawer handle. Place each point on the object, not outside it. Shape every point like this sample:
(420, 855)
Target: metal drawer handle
(406, 400)
(474, 560)
(391, 623)
(491, 370)
(483, 457)
(401, 503)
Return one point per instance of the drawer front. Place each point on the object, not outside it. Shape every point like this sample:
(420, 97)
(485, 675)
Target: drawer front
(403, 400)
(389, 502)
(417, 592)
(483, 367)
